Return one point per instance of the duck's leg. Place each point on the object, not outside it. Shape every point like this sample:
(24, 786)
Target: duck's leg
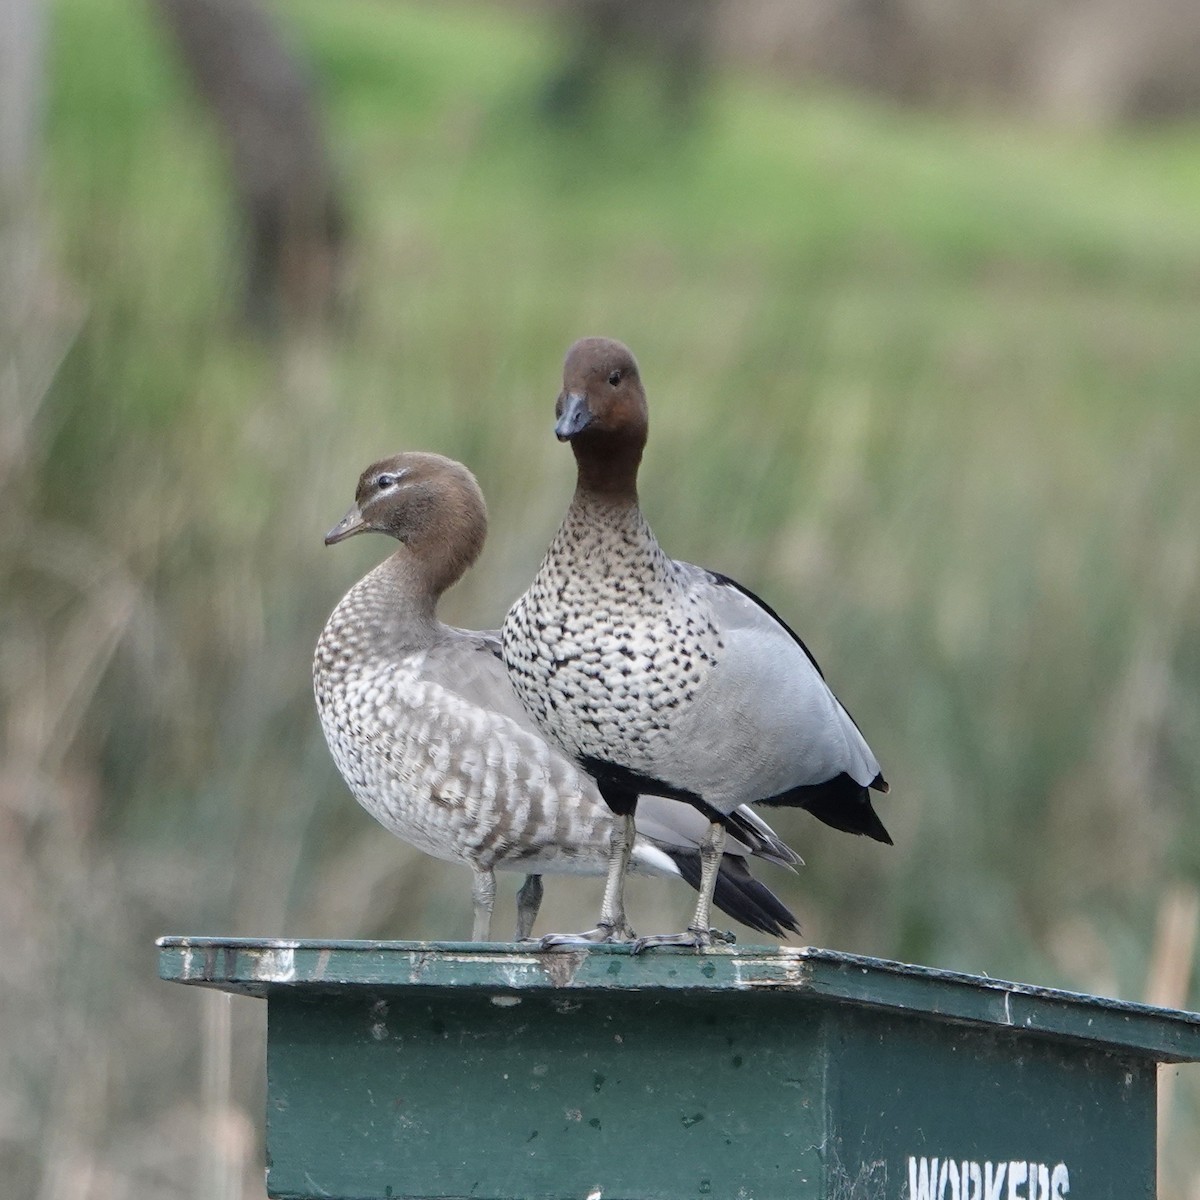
(612, 907)
(613, 926)
(698, 933)
(483, 896)
(529, 900)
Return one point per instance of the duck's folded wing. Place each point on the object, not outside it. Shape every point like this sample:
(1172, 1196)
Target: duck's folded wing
(766, 727)
(438, 760)
(468, 661)
(769, 681)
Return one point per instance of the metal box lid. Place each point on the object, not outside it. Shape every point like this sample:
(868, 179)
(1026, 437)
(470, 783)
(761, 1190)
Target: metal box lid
(258, 966)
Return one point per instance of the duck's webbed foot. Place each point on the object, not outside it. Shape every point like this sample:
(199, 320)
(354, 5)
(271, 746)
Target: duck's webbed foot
(698, 939)
(603, 934)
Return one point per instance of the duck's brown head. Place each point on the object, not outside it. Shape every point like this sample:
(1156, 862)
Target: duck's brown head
(602, 412)
(431, 504)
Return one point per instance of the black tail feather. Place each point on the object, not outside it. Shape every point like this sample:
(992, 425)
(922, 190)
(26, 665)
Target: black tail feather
(738, 894)
(842, 802)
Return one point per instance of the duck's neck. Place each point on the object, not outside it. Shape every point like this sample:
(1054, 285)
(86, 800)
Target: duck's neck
(608, 473)
(392, 608)
(608, 514)
(605, 536)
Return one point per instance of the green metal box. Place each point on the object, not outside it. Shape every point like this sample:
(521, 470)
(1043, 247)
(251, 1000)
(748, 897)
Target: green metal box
(444, 1070)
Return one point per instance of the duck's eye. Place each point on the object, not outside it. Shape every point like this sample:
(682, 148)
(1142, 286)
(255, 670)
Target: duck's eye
(387, 481)
(614, 378)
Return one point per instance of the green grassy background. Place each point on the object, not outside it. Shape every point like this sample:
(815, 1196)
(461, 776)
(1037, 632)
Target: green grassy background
(928, 383)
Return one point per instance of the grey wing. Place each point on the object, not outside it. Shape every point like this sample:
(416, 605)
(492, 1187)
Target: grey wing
(468, 661)
(766, 708)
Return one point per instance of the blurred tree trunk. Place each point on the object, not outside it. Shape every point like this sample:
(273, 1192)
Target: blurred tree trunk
(673, 37)
(262, 99)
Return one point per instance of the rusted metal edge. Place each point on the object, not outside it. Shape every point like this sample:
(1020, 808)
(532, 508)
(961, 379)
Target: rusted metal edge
(259, 967)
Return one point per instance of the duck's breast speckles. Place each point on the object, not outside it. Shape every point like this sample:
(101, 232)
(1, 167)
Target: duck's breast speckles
(608, 641)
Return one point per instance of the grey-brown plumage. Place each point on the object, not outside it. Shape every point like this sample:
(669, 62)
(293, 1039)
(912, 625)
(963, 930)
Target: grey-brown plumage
(426, 730)
(657, 676)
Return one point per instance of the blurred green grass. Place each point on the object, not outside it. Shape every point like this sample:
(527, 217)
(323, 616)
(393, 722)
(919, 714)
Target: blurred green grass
(927, 383)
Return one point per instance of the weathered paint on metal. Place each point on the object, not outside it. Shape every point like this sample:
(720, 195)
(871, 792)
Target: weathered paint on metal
(461, 1070)
(257, 967)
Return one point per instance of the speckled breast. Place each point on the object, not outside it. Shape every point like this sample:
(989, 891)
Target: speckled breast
(607, 647)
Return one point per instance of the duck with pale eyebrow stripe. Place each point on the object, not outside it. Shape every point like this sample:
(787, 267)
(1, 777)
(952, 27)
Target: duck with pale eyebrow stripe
(431, 740)
(659, 677)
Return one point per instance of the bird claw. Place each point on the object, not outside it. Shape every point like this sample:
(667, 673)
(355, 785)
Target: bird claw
(698, 939)
(601, 935)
